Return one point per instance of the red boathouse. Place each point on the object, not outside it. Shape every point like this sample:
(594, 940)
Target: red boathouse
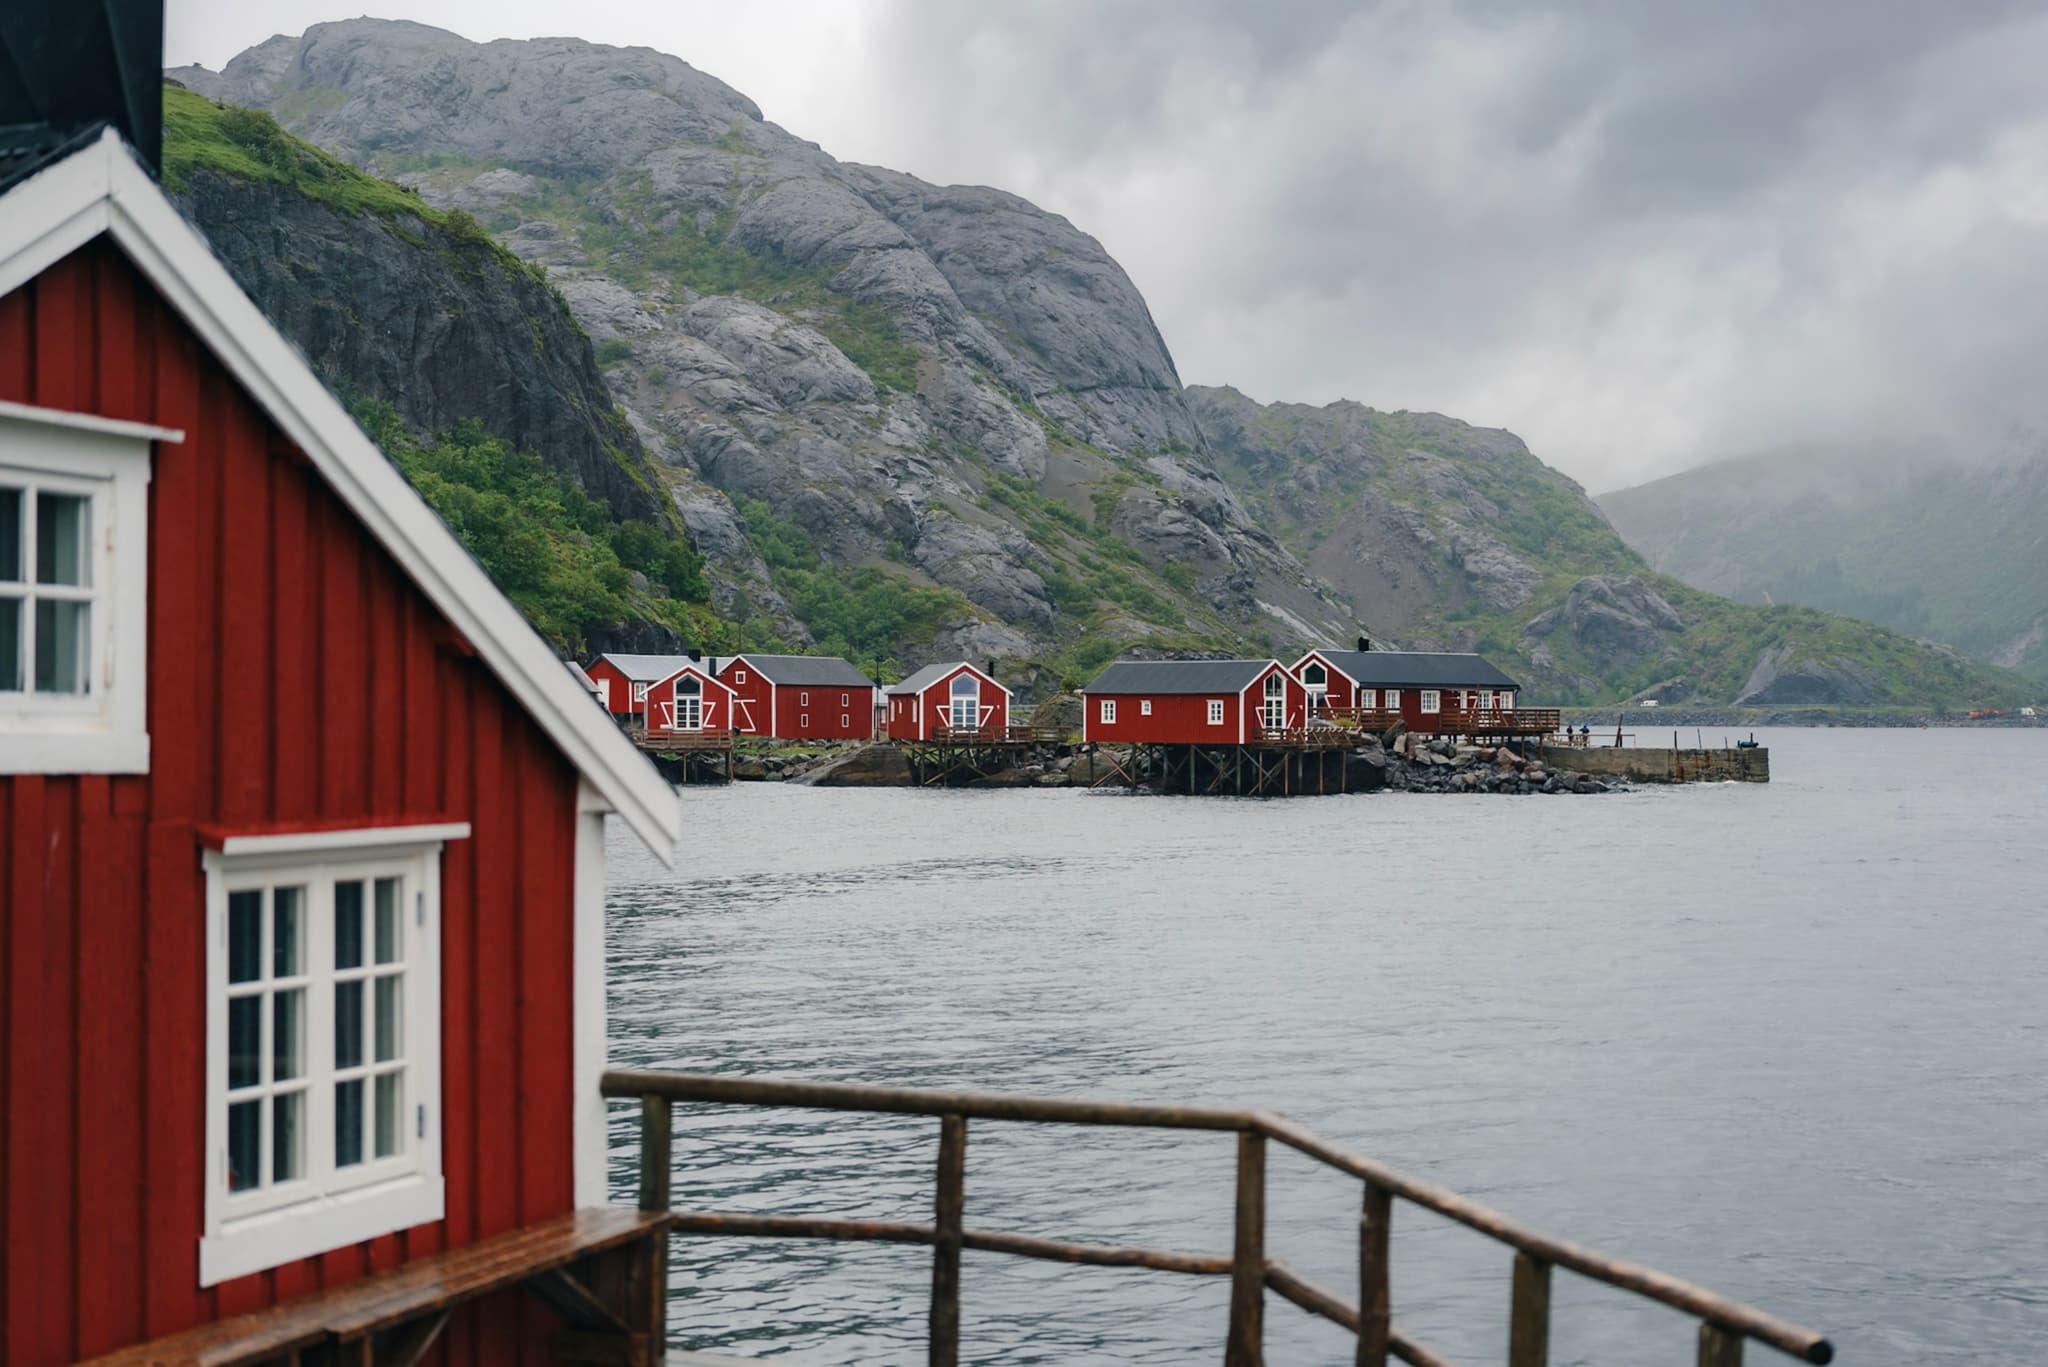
(1422, 686)
(1191, 702)
(801, 697)
(622, 681)
(689, 700)
(947, 699)
(301, 825)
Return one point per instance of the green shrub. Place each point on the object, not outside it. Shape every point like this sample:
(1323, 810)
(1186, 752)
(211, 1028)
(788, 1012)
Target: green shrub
(613, 351)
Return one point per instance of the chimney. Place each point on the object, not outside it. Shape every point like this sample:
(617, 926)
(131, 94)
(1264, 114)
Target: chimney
(1365, 643)
(696, 657)
(991, 670)
(72, 66)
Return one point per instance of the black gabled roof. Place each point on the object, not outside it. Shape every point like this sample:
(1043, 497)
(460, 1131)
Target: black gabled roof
(69, 68)
(808, 671)
(1417, 669)
(1178, 676)
(26, 148)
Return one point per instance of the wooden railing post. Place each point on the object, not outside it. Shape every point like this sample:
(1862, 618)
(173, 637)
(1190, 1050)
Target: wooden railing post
(1529, 1317)
(950, 1217)
(654, 1153)
(1719, 1347)
(1375, 1290)
(1246, 1345)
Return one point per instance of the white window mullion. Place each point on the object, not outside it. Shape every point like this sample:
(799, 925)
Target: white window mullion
(320, 1034)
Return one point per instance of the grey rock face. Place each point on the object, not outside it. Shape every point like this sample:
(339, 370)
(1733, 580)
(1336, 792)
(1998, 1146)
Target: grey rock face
(859, 351)
(1617, 622)
(1779, 677)
(442, 332)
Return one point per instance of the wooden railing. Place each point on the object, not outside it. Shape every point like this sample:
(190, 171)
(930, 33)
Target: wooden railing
(1724, 1324)
(1000, 735)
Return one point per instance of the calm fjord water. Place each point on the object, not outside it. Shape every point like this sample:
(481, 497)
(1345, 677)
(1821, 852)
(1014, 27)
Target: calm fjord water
(1789, 1041)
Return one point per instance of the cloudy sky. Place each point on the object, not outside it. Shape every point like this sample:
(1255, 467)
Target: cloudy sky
(1640, 234)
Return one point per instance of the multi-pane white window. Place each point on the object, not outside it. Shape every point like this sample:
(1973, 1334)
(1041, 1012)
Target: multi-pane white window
(323, 1043)
(1215, 711)
(74, 523)
(639, 692)
(1432, 701)
(1108, 710)
(1393, 700)
(1366, 698)
(1145, 707)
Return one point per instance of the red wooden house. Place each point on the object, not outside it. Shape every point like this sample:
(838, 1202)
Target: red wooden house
(1422, 686)
(945, 699)
(690, 700)
(801, 697)
(1191, 702)
(622, 681)
(301, 825)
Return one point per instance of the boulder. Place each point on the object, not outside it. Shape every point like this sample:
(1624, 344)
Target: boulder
(871, 766)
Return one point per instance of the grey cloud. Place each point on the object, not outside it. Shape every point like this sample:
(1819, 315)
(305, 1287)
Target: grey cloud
(1640, 234)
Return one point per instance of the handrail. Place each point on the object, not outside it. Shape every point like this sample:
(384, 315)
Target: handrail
(1724, 1324)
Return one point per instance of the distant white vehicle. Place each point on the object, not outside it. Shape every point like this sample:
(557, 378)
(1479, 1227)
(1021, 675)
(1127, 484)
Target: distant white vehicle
(2027, 712)
(1647, 702)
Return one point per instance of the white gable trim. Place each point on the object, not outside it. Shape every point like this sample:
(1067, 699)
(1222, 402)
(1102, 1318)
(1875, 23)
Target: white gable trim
(103, 188)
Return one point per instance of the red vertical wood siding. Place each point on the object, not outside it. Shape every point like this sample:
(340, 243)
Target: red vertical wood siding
(295, 674)
(1177, 719)
(933, 705)
(819, 718)
(619, 701)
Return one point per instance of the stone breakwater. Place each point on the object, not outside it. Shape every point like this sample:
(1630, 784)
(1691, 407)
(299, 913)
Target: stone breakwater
(1417, 764)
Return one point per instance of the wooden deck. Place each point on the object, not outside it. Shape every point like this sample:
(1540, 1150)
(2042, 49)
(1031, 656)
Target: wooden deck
(592, 1266)
(682, 742)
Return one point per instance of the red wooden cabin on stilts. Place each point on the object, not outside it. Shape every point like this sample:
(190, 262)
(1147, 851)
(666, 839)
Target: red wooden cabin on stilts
(947, 699)
(800, 697)
(1191, 702)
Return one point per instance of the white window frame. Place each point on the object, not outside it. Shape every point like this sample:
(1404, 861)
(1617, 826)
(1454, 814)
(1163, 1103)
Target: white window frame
(804, 720)
(105, 730)
(1145, 708)
(639, 692)
(1106, 712)
(739, 676)
(803, 700)
(251, 1231)
(1432, 701)
(1215, 711)
(1393, 696)
(1367, 698)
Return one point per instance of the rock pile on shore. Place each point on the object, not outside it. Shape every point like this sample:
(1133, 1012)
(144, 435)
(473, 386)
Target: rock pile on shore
(1441, 765)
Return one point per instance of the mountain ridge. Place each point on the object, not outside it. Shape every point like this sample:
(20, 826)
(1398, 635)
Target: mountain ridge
(903, 420)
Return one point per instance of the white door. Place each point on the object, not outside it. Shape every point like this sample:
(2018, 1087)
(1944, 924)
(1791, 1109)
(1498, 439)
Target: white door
(689, 706)
(965, 698)
(1273, 715)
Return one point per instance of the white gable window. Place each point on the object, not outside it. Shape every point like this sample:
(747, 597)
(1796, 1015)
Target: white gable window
(1432, 701)
(739, 676)
(1215, 711)
(1145, 708)
(1108, 710)
(74, 559)
(323, 1050)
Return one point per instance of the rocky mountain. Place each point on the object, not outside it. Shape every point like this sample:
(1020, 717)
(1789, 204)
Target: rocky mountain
(1956, 551)
(903, 421)
(1450, 536)
(873, 400)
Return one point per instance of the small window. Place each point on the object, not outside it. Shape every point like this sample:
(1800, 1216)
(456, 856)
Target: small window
(804, 720)
(803, 699)
(639, 692)
(1315, 676)
(323, 1043)
(845, 722)
(1366, 698)
(1393, 700)
(1215, 711)
(1432, 701)
(1108, 710)
(1145, 708)
(74, 551)
(1485, 703)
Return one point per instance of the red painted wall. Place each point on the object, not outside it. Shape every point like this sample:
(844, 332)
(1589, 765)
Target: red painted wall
(934, 701)
(717, 702)
(785, 717)
(1345, 693)
(828, 704)
(619, 701)
(294, 675)
(1183, 718)
(751, 714)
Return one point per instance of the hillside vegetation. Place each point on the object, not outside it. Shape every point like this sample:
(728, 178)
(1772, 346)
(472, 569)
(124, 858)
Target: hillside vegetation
(904, 421)
(1952, 551)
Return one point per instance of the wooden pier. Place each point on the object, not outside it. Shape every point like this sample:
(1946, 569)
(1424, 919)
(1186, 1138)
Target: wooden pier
(952, 758)
(689, 756)
(1724, 1325)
